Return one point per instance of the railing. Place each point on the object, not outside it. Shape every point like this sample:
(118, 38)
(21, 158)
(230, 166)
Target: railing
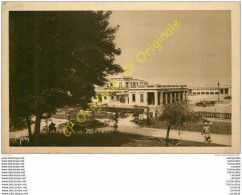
(145, 86)
(214, 115)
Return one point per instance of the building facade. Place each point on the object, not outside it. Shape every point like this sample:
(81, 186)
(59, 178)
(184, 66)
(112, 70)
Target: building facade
(209, 93)
(135, 92)
(210, 90)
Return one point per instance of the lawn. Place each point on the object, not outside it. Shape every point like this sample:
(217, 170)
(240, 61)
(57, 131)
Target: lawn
(217, 127)
(106, 139)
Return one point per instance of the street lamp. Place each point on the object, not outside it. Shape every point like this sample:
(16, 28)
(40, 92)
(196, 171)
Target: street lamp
(218, 90)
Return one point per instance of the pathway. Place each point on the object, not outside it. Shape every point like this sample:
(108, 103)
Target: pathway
(129, 127)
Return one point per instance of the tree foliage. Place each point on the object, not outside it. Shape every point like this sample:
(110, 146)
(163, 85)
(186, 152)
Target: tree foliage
(177, 115)
(56, 58)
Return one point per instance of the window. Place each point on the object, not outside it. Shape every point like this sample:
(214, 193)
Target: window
(207, 92)
(211, 92)
(133, 97)
(159, 93)
(112, 97)
(194, 93)
(198, 92)
(151, 98)
(122, 99)
(202, 93)
(105, 97)
(120, 84)
(111, 84)
(127, 84)
(141, 97)
(226, 91)
(216, 92)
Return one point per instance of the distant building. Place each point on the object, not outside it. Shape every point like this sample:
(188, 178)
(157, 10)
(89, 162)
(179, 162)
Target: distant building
(212, 90)
(209, 93)
(136, 92)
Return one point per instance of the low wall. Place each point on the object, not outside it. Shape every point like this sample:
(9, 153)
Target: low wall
(214, 115)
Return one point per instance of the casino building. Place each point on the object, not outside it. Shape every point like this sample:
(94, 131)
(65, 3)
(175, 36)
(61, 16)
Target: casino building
(135, 92)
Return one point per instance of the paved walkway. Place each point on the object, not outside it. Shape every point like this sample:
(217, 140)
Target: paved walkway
(129, 127)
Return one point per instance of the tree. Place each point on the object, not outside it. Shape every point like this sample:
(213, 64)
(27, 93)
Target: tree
(177, 115)
(26, 109)
(56, 58)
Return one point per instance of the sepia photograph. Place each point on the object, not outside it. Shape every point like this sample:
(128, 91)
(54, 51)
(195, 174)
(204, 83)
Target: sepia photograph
(152, 80)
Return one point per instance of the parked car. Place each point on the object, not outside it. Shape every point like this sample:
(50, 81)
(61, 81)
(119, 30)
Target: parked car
(205, 103)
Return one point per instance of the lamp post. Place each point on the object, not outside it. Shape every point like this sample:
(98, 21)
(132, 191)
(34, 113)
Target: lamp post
(218, 90)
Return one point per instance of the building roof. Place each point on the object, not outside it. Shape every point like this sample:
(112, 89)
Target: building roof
(210, 87)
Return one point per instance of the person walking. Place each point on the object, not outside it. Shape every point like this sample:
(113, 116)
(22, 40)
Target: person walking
(206, 133)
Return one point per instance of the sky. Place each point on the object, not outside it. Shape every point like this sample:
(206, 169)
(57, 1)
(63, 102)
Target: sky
(196, 54)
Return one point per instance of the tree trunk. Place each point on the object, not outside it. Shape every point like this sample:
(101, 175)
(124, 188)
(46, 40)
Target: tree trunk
(167, 134)
(37, 130)
(29, 126)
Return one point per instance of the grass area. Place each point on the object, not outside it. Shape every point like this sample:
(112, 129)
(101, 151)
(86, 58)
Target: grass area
(107, 139)
(217, 127)
(94, 139)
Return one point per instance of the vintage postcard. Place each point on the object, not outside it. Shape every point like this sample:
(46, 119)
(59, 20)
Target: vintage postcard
(115, 77)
